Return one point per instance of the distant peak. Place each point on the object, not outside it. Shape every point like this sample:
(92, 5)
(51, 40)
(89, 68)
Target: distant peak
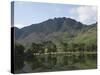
(62, 18)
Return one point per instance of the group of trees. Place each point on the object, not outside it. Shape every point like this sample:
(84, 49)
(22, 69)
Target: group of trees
(18, 56)
(21, 54)
(79, 47)
(44, 47)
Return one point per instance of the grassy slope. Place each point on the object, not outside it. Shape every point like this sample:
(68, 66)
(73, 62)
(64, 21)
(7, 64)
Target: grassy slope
(88, 37)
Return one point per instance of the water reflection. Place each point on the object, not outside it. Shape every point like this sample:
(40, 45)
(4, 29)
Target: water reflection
(55, 62)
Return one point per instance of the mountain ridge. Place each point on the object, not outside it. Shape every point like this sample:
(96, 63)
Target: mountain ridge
(55, 30)
(51, 25)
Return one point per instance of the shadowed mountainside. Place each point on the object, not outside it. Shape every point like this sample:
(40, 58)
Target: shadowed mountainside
(57, 30)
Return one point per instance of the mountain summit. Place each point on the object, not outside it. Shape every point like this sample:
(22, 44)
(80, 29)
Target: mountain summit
(56, 30)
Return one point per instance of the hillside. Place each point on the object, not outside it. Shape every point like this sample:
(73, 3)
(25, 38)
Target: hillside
(57, 30)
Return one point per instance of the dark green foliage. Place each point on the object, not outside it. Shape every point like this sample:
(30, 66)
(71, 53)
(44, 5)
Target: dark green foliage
(34, 48)
(65, 46)
(41, 48)
(19, 56)
(37, 48)
(50, 46)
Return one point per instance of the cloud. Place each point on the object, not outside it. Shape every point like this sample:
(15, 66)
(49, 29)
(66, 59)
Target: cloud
(85, 14)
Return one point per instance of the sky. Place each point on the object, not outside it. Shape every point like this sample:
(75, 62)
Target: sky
(27, 13)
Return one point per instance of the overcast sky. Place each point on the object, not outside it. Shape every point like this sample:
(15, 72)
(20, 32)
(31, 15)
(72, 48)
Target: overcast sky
(27, 13)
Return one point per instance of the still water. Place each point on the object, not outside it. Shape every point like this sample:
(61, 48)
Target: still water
(58, 62)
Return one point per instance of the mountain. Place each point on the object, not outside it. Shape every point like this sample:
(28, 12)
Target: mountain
(56, 30)
(88, 36)
(49, 26)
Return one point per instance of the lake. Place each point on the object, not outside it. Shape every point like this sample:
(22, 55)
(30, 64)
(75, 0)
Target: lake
(59, 62)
